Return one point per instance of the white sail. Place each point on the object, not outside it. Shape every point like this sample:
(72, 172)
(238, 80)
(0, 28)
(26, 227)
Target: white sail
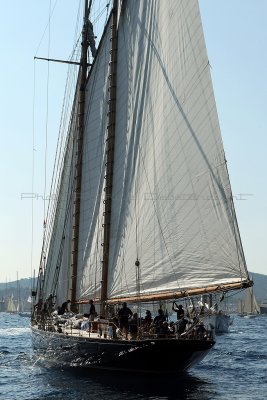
(171, 203)
(93, 172)
(11, 307)
(58, 265)
(59, 255)
(250, 302)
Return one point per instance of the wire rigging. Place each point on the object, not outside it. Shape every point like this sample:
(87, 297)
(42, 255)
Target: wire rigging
(33, 167)
(47, 112)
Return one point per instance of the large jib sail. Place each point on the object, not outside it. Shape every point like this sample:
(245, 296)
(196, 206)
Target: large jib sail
(172, 207)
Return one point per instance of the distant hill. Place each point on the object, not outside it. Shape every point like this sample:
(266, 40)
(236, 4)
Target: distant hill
(18, 291)
(23, 283)
(25, 287)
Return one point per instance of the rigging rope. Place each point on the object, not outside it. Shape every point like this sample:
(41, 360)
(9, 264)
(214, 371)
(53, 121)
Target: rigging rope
(52, 213)
(47, 111)
(33, 165)
(47, 25)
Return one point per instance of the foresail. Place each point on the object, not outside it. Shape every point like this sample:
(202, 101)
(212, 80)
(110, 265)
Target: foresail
(58, 259)
(172, 206)
(93, 172)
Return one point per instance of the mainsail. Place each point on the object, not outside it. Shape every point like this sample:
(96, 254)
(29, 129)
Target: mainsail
(172, 205)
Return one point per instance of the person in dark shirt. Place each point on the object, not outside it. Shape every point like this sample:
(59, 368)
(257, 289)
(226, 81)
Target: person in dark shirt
(64, 308)
(159, 318)
(134, 324)
(147, 321)
(92, 314)
(91, 311)
(179, 310)
(181, 325)
(124, 314)
(163, 330)
(201, 331)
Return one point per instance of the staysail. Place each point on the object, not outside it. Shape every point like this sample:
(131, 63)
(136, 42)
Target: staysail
(59, 254)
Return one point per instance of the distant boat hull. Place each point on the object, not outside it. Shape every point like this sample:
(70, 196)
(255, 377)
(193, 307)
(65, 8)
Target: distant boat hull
(152, 355)
(24, 314)
(263, 309)
(248, 315)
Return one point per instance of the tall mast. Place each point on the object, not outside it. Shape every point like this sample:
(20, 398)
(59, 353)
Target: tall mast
(109, 155)
(78, 166)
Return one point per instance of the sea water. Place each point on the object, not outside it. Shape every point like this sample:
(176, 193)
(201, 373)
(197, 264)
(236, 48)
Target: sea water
(236, 368)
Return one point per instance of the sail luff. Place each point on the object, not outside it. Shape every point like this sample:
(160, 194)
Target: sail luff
(110, 155)
(78, 173)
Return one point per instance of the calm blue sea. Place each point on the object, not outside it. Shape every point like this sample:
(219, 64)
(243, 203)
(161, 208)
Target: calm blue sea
(236, 368)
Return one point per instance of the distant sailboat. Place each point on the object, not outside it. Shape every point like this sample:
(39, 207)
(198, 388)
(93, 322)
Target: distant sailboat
(2, 305)
(144, 211)
(11, 306)
(250, 307)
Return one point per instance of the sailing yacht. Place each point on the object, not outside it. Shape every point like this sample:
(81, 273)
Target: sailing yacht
(144, 213)
(11, 306)
(251, 308)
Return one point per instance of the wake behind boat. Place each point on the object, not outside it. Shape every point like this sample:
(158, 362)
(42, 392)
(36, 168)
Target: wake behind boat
(144, 212)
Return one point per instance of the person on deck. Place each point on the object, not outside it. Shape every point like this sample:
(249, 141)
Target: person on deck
(179, 310)
(124, 314)
(181, 325)
(133, 326)
(163, 330)
(159, 318)
(91, 310)
(201, 331)
(92, 313)
(147, 321)
(64, 308)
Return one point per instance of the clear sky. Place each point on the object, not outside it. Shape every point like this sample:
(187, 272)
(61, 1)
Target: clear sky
(236, 37)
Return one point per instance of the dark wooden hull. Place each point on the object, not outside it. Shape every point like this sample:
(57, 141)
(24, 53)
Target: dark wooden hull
(166, 355)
